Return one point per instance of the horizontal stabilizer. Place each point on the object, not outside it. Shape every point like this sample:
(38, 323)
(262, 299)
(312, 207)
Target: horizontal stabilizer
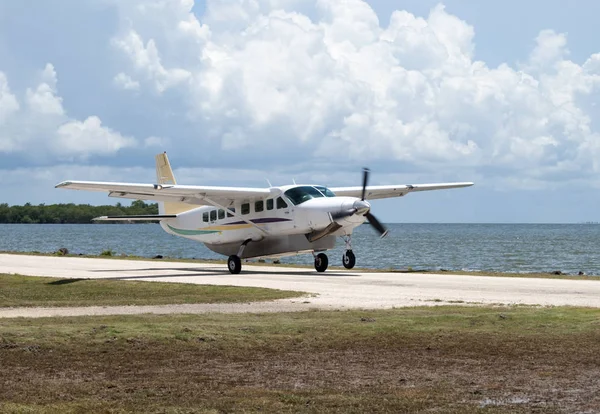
(150, 217)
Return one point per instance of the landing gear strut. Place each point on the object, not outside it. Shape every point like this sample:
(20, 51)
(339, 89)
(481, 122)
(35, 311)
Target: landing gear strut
(321, 262)
(234, 263)
(348, 258)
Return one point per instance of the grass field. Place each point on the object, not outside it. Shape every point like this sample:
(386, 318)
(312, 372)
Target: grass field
(16, 290)
(440, 359)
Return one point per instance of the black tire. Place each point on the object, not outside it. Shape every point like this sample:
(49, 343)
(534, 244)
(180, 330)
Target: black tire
(348, 259)
(321, 262)
(234, 264)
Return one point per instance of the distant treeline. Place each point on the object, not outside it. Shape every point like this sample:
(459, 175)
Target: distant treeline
(70, 213)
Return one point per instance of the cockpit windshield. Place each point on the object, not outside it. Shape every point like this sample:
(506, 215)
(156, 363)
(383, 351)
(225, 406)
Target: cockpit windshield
(299, 195)
(326, 191)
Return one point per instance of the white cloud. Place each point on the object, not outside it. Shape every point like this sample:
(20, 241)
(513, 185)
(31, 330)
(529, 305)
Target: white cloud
(592, 65)
(146, 60)
(90, 137)
(42, 129)
(156, 142)
(262, 72)
(550, 48)
(44, 99)
(8, 101)
(326, 82)
(125, 82)
(8, 107)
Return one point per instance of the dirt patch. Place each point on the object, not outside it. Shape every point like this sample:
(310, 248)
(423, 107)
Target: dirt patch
(315, 362)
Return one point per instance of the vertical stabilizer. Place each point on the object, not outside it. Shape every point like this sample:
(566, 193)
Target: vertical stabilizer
(164, 175)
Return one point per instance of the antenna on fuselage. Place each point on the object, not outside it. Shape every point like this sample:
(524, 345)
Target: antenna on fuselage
(294, 181)
(269, 182)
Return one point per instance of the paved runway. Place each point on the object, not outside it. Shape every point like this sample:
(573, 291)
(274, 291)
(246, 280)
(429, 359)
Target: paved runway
(332, 289)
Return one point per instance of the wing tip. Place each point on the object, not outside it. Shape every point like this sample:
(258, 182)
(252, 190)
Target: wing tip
(63, 184)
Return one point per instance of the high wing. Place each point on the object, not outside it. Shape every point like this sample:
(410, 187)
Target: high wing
(388, 191)
(189, 194)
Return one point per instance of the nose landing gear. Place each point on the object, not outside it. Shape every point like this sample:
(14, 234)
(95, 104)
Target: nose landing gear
(348, 258)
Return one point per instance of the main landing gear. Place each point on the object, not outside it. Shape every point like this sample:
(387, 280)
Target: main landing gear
(321, 262)
(234, 263)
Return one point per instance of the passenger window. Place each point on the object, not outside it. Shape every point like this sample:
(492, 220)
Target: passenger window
(232, 210)
(270, 204)
(221, 214)
(205, 217)
(246, 208)
(213, 215)
(281, 203)
(259, 206)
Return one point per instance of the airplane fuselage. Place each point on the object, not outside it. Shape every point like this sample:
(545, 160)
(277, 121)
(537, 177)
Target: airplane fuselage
(275, 226)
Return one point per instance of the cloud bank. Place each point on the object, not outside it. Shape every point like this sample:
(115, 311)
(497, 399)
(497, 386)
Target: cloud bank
(318, 86)
(336, 84)
(40, 127)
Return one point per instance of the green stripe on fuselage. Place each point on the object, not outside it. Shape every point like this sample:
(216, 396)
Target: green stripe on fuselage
(192, 232)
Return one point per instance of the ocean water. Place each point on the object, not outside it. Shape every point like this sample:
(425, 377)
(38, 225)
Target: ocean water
(570, 248)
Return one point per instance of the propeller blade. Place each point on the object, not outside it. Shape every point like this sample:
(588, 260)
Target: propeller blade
(375, 223)
(366, 172)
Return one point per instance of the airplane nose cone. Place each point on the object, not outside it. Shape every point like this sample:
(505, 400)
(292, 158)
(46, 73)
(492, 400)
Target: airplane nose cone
(361, 206)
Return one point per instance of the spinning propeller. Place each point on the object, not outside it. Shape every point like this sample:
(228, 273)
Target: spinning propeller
(370, 217)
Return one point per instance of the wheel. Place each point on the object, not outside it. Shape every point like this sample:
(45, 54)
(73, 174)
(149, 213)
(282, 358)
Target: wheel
(234, 263)
(321, 262)
(348, 259)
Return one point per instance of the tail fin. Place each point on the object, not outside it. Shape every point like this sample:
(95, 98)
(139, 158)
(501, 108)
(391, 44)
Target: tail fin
(164, 175)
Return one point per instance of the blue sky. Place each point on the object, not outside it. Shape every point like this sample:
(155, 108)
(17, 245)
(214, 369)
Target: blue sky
(238, 91)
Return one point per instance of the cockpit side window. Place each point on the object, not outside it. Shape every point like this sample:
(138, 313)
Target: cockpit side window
(281, 203)
(326, 191)
(299, 195)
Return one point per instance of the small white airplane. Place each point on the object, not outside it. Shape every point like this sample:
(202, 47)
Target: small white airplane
(245, 223)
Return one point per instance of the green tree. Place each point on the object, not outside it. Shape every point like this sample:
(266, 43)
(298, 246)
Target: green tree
(71, 213)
